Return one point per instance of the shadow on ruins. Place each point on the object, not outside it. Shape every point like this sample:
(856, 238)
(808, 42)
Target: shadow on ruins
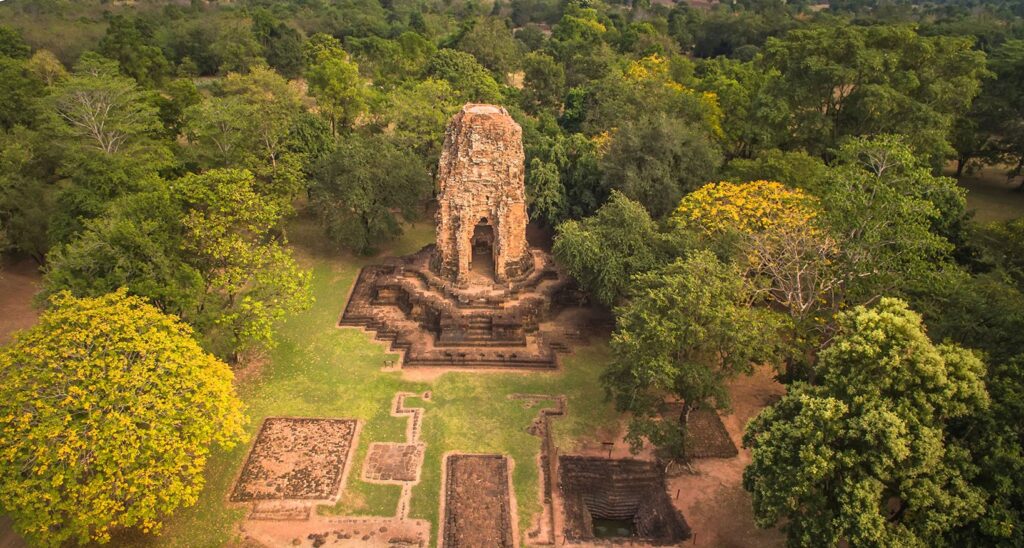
(481, 296)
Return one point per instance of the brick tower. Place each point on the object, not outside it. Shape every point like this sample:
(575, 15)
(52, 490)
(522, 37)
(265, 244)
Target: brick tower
(481, 216)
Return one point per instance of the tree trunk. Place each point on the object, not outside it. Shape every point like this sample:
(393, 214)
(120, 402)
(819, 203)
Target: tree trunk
(961, 163)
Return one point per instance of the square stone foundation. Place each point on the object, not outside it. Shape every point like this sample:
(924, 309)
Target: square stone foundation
(393, 462)
(296, 458)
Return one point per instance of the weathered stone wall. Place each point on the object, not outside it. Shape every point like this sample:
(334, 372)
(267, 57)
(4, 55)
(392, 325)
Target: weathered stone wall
(480, 180)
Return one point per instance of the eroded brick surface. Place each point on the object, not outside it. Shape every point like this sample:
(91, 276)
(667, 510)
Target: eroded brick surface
(398, 462)
(481, 194)
(296, 458)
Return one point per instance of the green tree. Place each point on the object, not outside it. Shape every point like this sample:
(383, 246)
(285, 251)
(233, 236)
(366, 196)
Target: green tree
(20, 90)
(46, 67)
(490, 41)
(12, 44)
(251, 281)
(248, 124)
(866, 457)
(235, 47)
(753, 116)
(603, 252)
(843, 80)
(686, 329)
(388, 62)
(107, 413)
(340, 92)
(281, 43)
(890, 215)
(361, 186)
(417, 114)
(796, 169)
(543, 83)
(991, 130)
(468, 78)
(545, 193)
(137, 245)
(25, 198)
(578, 42)
(99, 110)
(137, 57)
(655, 160)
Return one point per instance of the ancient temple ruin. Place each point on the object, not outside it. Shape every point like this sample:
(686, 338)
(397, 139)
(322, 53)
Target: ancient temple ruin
(481, 214)
(481, 296)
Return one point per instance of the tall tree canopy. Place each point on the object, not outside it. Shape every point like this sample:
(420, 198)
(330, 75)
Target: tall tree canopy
(686, 329)
(108, 408)
(604, 251)
(842, 80)
(359, 188)
(866, 457)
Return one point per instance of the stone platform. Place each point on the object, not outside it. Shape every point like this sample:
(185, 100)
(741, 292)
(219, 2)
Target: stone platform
(478, 322)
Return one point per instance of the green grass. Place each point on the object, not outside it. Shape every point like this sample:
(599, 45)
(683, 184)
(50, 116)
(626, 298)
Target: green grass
(320, 370)
(991, 197)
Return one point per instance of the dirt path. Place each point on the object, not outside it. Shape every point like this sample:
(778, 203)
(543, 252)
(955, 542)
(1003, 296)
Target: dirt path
(19, 283)
(712, 499)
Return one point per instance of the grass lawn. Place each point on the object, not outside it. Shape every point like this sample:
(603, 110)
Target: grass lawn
(991, 196)
(320, 370)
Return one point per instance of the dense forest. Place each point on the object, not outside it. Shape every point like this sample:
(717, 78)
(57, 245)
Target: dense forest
(746, 182)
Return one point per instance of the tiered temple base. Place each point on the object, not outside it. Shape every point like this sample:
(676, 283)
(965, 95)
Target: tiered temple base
(478, 323)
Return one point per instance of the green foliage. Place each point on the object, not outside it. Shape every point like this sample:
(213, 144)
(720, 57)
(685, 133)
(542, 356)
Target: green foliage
(12, 44)
(603, 252)
(251, 281)
(687, 328)
(490, 41)
(796, 169)
(889, 215)
(842, 80)
(107, 411)
(655, 160)
(387, 62)
(577, 41)
(990, 131)
(866, 456)
(417, 114)
(97, 109)
(545, 193)
(136, 245)
(282, 45)
(19, 89)
(334, 80)
(359, 188)
(543, 83)
(754, 116)
(470, 80)
(139, 59)
(236, 48)
(24, 197)
(248, 124)
(46, 67)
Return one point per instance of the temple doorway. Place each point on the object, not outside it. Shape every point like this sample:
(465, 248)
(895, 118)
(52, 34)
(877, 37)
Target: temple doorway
(482, 262)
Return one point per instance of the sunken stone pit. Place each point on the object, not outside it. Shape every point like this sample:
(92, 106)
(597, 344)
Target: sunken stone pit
(480, 297)
(618, 501)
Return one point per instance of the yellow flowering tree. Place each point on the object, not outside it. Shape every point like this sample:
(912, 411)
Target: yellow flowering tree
(108, 408)
(748, 208)
(777, 230)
